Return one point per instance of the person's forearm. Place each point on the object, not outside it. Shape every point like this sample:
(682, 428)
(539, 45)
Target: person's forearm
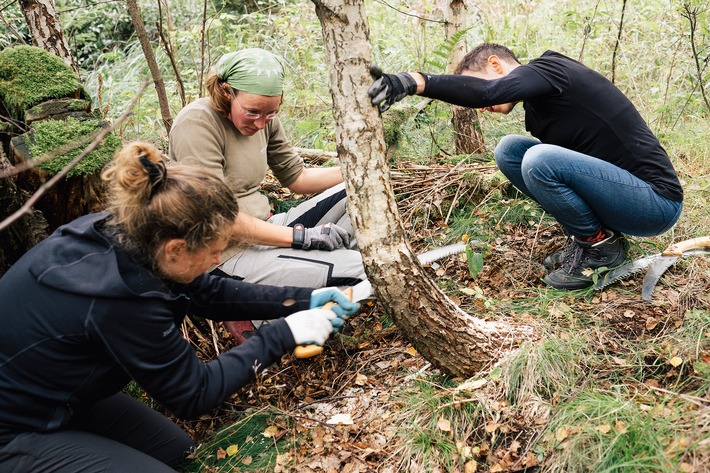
(419, 79)
(314, 180)
(248, 229)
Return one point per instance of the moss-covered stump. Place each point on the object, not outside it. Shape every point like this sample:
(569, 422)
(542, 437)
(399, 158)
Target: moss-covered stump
(25, 232)
(51, 145)
(30, 75)
(59, 110)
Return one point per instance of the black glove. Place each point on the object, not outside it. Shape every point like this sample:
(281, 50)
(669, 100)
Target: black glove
(324, 237)
(389, 88)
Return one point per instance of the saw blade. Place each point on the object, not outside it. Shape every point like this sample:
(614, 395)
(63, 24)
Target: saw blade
(654, 274)
(438, 253)
(626, 270)
(660, 266)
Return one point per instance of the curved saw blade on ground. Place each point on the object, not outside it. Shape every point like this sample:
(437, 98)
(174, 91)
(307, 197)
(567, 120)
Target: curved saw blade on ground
(659, 267)
(625, 270)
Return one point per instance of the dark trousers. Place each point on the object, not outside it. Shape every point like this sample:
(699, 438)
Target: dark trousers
(118, 434)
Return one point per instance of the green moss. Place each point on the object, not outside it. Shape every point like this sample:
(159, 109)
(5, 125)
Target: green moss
(30, 75)
(392, 124)
(49, 135)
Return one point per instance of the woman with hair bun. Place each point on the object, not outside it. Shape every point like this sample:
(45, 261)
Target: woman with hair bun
(99, 303)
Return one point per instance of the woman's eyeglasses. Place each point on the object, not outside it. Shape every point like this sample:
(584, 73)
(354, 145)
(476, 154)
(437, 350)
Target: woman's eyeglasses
(252, 115)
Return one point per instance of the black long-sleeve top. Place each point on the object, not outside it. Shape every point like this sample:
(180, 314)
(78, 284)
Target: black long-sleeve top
(570, 105)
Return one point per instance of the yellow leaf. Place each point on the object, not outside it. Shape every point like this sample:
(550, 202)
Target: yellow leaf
(491, 427)
(360, 379)
(603, 428)
(411, 351)
(471, 466)
(232, 450)
(676, 361)
(271, 431)
(465, 237)
(561, 434)
(443, 424)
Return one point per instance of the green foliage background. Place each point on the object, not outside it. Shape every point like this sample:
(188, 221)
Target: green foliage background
(651, 60)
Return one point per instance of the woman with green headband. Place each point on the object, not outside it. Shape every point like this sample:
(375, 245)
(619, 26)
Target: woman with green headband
(235, 133)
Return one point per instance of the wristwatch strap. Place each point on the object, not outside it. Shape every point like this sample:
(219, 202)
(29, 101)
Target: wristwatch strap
(299, 234)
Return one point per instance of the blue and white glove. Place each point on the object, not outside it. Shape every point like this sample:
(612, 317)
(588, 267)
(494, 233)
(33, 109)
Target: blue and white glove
(343, 306)
(312, 326)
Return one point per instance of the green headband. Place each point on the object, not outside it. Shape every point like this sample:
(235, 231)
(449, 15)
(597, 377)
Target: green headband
(254, 71)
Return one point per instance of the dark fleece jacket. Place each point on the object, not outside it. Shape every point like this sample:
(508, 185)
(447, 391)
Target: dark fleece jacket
(80, 319)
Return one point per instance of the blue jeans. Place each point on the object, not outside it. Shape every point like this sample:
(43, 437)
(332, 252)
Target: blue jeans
(584, 193)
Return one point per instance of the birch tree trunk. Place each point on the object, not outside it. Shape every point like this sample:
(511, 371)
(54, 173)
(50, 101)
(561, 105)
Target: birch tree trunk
(46, 32)
(447, 337)
(468, 138)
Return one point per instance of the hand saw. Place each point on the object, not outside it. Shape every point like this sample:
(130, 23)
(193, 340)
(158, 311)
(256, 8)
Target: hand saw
(656, 264)
(357, 293)
(363, 290)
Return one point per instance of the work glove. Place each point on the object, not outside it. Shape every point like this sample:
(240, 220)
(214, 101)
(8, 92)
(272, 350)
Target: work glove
(342, 307)
(389, 88)
(311, 326)
(323, 237)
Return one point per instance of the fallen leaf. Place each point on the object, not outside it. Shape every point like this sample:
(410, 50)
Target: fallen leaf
(221, 454)
(629, 314)
(411, 351)
(676, 361)
(247, 460)
(340, 419)
(361, 379)
(491, 427)
(271, 431)
(651, 323)
(443, 424)
(232, 450)
(561, 434)
(471, 385)
(620, 426)
(603, 428)
(471, 466)
(619, 361)
(686, 467)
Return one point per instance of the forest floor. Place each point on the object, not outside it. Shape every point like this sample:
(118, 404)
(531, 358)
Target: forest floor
(371, 403)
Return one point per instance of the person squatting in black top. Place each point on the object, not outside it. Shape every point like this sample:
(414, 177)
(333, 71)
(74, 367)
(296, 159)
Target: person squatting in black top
(593, 163)
(100, 302)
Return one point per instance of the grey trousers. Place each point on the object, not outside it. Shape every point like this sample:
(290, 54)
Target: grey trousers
(314, 268)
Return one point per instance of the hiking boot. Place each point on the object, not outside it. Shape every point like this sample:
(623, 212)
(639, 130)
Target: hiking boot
(240, 330)
(583, 258)
(555, 260)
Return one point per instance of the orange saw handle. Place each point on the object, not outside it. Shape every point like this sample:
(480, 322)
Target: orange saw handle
(681, 247)
(307, 351)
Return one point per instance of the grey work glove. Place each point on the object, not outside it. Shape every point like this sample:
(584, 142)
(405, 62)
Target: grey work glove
(323, 237)
(389, 88)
